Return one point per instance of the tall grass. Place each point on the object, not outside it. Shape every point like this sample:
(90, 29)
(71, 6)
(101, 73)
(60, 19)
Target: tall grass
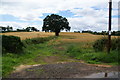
(102, 44)
(96, 54)
(30, 52)
(38, 40)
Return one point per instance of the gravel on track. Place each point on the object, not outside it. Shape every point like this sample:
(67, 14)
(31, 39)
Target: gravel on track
(61, 70)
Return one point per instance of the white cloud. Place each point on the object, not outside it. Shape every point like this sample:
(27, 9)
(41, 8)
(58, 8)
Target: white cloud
(86, 23)
(31, 10)
(15, 24)
(19, 25)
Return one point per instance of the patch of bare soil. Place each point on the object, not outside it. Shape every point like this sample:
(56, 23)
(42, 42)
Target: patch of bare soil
(51, 59)
(47, 59)
(61, 70)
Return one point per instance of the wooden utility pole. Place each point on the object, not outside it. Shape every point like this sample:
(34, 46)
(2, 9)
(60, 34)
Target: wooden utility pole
(109, 26)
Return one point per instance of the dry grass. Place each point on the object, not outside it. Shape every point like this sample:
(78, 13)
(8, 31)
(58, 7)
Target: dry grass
(65, 36)
(79, 37)
(27, 35)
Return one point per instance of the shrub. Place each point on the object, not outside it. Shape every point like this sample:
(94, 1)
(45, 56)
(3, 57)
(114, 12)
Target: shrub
(38, 40)
(101, 44)
(11, 44)
(115, 44)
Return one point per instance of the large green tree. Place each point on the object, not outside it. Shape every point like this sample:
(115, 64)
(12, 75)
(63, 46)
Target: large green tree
(55, 23)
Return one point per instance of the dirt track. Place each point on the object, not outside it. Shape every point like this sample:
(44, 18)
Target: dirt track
(61, 70)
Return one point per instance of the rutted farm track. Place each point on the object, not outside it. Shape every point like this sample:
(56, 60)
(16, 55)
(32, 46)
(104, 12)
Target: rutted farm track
(60, 70)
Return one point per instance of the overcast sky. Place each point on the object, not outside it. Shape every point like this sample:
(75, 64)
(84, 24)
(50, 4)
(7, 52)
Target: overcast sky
(81, 14)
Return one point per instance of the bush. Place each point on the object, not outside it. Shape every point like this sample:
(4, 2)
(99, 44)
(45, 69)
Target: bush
(115, 44)
(38, 40)
(101, 44)
(11, 44)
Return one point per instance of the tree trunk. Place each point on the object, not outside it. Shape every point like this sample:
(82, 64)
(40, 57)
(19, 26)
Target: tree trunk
(56, 33)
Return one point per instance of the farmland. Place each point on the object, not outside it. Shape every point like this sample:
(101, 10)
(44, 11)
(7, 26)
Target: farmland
(66, 36)
(68, 47)
(28, 35)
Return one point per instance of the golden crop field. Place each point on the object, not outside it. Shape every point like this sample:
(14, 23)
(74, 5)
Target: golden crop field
(79, 37)
(65, 36)
(28, 35)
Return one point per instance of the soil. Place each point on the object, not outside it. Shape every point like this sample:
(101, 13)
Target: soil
(60, 70)
(48, 59)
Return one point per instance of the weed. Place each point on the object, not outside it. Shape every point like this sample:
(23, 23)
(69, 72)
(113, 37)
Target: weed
(101, 44)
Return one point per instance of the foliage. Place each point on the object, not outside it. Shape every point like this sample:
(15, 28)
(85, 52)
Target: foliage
(11, 44)
(6, 29)
(101, 57)
(31, 51)
(37, 40)
(31, 29)
(93, 57)
(55, 23)
(115, 33)
(115, 44)
(73, 51)
(28, 29)
(101, 44)
(10, 29)
(76, 31)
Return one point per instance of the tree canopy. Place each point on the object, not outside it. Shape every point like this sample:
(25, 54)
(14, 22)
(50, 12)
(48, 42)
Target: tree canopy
(31, 29)
(55, 23)
(8, 28)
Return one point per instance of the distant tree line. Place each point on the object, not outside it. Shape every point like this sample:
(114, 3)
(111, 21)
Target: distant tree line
(10, 29)
(76, 31)
(115, 33)
(28, 29)
(6, 29)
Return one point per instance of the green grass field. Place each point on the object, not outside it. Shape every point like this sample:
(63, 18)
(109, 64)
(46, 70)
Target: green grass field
(66, 47)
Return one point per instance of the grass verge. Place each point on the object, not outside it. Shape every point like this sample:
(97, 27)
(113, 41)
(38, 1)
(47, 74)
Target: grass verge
(31, 51)
(51, 46)
(92, 57)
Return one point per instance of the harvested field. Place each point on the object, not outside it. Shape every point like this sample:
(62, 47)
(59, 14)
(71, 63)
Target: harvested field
(66, 36)
(81, 37)
(27, 35)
